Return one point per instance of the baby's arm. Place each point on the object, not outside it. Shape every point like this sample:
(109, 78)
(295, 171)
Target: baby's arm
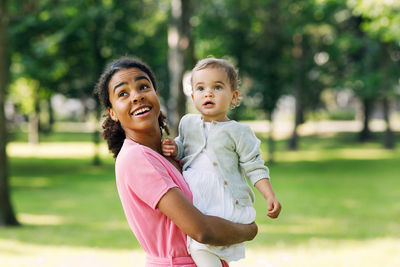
(265, 188)
(169, 147)
(248, 149)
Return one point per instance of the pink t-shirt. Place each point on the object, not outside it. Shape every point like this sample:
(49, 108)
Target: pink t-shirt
(143, 176)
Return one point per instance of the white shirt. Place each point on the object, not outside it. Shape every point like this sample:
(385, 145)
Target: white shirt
(212, 197)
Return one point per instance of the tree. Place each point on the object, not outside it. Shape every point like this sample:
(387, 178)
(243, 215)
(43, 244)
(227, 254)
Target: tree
(255, 44)
(366, 67)
(311, 31)
(180, 50)
(265, 58)
(34, 65)
(7, 216)
(69, 48)
(381, 20)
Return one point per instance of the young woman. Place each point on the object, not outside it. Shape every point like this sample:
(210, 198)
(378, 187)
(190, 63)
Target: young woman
(155, 197)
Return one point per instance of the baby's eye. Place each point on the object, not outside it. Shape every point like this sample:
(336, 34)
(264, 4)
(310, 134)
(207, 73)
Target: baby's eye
(217, 87)
(200, 88)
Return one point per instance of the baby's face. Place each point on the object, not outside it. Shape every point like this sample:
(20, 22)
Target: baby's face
(212, 93)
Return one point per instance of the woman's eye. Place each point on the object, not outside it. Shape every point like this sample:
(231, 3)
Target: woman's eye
(144, 86)
(121, 94)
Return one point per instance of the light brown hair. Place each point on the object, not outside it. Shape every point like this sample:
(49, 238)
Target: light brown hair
(231, 71)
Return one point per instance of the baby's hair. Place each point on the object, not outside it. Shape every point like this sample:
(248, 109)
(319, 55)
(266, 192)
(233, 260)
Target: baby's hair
(231, 71)
(112, 131)
(212, 62)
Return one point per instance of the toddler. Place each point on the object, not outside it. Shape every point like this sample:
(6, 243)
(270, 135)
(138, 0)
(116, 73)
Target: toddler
(217, 154)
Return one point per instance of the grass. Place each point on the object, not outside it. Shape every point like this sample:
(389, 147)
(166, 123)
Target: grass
(340, 207)
(69, 200)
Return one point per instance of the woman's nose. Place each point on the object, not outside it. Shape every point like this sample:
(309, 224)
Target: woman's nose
(137, 97)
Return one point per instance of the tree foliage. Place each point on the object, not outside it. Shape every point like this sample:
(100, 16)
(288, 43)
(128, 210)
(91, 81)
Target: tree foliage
(286, 47)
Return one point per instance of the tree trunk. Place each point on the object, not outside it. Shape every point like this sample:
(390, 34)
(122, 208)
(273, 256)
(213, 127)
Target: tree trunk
(34, 124)
(366, 133)
(33, 129)
(7, 216)
(188, 43)
(96, 137)
(388, 136)
(179, 40)
(51, 115)
(298, 84)
(98, 63)
(85, 114)
(298, 118)
(271, 142)
(293, 142)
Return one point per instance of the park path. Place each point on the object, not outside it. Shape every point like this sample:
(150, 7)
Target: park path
(283, 130)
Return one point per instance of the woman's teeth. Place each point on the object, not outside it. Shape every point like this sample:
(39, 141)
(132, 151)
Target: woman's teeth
(141, 111)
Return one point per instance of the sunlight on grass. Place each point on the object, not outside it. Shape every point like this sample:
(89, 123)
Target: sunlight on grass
(316, 252)
(14, 253)
(326, 253)
(315, 225)
(55, 150)
(340, 153)
(33, 182)
(109, 226)
(340, 207)
(34, 219)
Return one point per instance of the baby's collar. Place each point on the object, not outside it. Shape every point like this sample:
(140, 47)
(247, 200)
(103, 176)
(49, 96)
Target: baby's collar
(213, 122)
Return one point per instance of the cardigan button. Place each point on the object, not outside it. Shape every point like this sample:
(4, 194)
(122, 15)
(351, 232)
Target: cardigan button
(237, 201)
(225, 182)
(214, 163)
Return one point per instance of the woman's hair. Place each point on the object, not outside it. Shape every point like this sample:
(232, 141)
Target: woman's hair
(231, 71)
(112, 131)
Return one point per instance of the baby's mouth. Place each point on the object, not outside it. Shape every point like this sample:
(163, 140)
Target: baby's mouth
(208, 104)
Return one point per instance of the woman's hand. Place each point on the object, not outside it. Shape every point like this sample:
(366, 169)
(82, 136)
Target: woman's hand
(203, 228)
(253, 230)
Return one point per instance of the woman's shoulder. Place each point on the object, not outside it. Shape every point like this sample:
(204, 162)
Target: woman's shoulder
(130, 149)
(133, 153)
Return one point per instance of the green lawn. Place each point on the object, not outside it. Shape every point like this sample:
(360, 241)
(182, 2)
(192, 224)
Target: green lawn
(341, 204)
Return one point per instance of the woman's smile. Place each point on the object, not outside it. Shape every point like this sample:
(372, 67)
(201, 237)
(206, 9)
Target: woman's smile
(141, 111)
(134, 101)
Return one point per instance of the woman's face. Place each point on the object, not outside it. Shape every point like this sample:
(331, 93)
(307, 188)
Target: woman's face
(134, 101)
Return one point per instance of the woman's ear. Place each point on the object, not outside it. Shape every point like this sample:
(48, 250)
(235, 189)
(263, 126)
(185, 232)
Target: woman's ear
(112, 114)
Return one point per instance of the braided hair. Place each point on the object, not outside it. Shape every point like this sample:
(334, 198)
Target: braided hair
(112, 131)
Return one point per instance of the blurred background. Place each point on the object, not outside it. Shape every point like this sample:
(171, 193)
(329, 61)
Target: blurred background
(320, 83)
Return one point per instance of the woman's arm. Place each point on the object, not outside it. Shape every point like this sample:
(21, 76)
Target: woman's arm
(203, 228)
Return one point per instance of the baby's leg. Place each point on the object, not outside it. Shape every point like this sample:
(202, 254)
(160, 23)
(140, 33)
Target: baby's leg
(204, 258)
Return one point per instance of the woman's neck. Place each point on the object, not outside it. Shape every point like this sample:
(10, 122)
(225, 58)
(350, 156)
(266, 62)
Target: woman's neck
(150, 139)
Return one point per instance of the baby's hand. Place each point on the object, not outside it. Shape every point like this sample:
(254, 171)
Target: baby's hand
(169, 147)
(274, 207)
